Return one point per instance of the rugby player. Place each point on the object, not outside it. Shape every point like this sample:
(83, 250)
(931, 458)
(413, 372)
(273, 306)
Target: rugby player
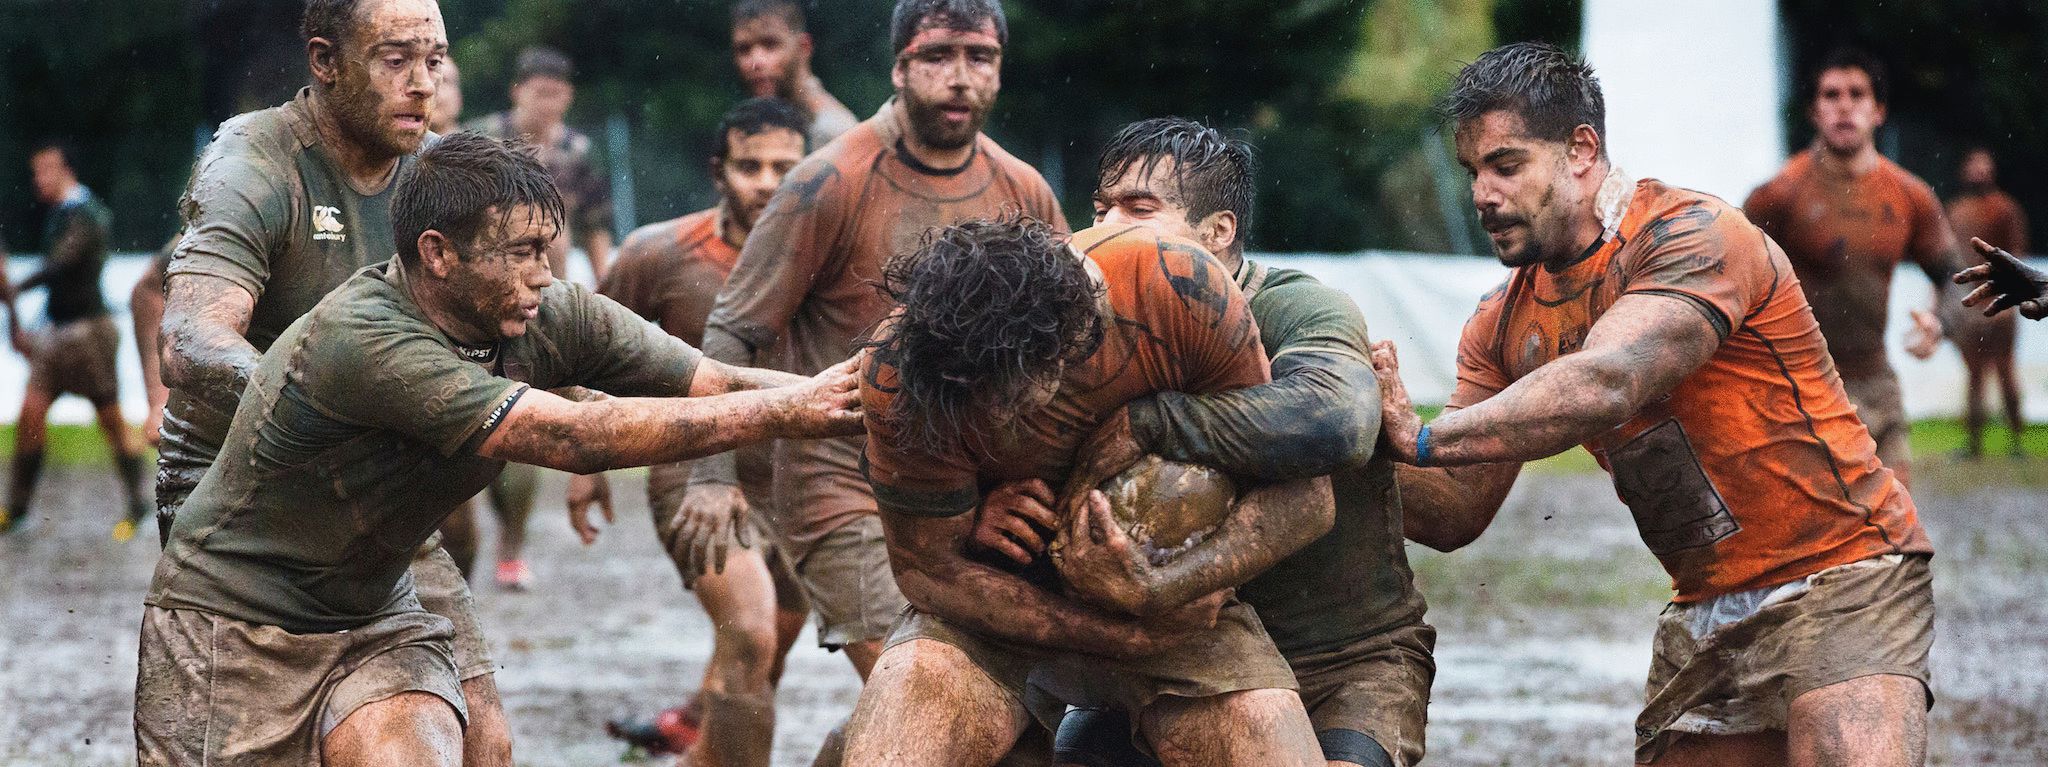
(1007, 353)
(670, 273)
(802, 294)
(541, 95)
(1344, 609)
(284, 205)
(772, 51)
(1982, 211)
(281, 626)
(75, 354)
(1665, 333)
(1847, 217)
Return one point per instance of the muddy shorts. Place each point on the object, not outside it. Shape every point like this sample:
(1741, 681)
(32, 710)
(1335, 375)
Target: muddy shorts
(222, 693)
(668, 483)
(1883, 411)
(1235, 655)
(1734, 663)
(77, 357)
(1368, 701)
(445, 593)
(852, 591)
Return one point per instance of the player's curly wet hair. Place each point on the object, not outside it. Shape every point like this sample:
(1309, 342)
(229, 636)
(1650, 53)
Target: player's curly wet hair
(1552, 91)
(989, 310)
(459, 181)
(1211, 171)
(965, 15)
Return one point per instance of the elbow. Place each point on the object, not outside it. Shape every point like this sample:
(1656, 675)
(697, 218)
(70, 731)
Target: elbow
(1445, 541)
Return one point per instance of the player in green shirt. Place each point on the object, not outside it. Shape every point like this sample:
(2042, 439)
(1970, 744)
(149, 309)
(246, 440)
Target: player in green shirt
(281, 625)
(1342, 607)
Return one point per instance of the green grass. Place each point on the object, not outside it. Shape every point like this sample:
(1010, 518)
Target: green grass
(69, 445)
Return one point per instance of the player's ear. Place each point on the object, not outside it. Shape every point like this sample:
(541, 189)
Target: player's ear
(437, 253)
(322, 58)
(804, 46)
(1584, 150)
(717, 170)
(1218, 232)
(896, 72)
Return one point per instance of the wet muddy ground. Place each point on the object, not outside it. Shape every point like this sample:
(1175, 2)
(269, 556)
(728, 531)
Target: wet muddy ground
(1544, 625)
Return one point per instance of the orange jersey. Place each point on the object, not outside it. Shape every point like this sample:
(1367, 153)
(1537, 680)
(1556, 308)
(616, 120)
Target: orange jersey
(1754, 471)
(1993, 217)
(1181, 325)
(1845, 238)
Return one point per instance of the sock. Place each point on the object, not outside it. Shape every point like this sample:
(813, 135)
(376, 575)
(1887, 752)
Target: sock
(28, 467)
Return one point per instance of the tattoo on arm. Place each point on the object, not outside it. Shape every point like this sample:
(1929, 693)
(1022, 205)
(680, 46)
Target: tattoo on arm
(1639, 350)
(204, 348)
(1268, 524)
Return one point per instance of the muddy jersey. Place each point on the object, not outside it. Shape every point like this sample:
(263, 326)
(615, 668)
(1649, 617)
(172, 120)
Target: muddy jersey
(268, 210)
(75, 252)
(358, 434)
(1845, 238)
(1181, 324)
(808, 274)
(1992, 216)
(1353, 582)
(1754, 471)
(586, 193)
(670, 273)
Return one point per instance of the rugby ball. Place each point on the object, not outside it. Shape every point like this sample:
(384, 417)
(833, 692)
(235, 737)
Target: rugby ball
(1168, 506)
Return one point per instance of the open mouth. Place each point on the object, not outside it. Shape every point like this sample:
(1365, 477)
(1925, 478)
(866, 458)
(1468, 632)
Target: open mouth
(958, 113)
(410, 122)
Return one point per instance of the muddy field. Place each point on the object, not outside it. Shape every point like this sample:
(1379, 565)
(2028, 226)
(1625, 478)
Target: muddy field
(1545, 625)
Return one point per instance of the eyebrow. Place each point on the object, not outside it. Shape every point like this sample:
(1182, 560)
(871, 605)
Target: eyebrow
(435, 46)
(1502, 154)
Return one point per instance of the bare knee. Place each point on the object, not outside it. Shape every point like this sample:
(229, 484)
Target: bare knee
(407, 728)
(1247, 727)
(1878, 720)
(926, 703)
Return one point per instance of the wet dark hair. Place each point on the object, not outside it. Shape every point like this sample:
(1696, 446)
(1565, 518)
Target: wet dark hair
(912, 15)
(1211, 171)
(542, 61)
(1553, 92)
(1852, 58)
(791, 12)
(756, 116)
(455, 184)
(329, 19)
(989, 308)
(61, 146)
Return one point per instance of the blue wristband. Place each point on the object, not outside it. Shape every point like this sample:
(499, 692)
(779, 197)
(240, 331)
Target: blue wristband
(1422, 447)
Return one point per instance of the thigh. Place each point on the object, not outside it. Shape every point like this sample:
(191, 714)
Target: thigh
(1754, 749)
(410, 728)
(851, 589)
(443, 591)
(1265, 727)
(1369, 701)
(1872, 721)
(929, 703)
(742, 598)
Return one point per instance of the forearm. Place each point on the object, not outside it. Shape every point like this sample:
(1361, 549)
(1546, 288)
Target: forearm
(585, 438)
(201, 356)
(1269, 524)
(1319, 414)
(734, 354)
(936, 579)
(1447, 508)
(1559, 405)
(714, 378)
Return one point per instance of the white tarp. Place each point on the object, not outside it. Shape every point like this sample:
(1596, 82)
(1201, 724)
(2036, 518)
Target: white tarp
(1419, 301)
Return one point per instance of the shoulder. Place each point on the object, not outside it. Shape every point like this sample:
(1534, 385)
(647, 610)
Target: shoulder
(1008, 164)
(268, 139)
(1779, 188)
(1664, 215)
(358, 324)
(1298, 292)
(1916, 191)
(648, 244)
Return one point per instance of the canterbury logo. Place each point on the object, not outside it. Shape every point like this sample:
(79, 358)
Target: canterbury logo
(327, 223)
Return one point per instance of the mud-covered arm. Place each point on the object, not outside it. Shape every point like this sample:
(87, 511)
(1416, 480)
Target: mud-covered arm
(205, 319)
(584, 437)
(1638, 351)
(934, 575)
(82, 237)
(1318, 415)
(1447, 507)
(1101, 563)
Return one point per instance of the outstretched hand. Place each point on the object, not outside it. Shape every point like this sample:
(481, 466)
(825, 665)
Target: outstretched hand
(828, 405)
(586, 490)
(1398, 421)
(2006, 282)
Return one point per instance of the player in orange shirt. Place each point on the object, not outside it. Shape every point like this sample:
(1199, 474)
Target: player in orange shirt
(1011, 347)
(1847, 217)
(1661, 330)
(1982, 211)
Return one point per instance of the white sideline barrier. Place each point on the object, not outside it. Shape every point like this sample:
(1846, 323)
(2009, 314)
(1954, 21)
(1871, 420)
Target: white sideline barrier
(1417, 300)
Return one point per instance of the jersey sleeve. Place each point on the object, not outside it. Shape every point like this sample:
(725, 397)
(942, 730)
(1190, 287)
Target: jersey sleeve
(237, 211)
(630, 280)
(618, 352)
(1703, 253)
(783, 258)
(1766, 208)
(1480, 374)
(912, 483)
(1934, 245)
(400, 379)
(1204, 319)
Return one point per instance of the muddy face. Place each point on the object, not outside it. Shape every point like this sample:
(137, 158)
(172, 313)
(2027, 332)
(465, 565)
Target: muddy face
(947, 80)
(387, 74)
(1521, 186)
(498, 278)
(1845, 110)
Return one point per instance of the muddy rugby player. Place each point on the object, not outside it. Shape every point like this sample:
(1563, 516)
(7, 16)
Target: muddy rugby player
(281, 625)
(670, 273)
(283, 206)
(771, 49)
(76, 353)
(979, 392)
(802, 294)
(1847, 216)
(1664, 332)
(1983, 211)
(1343, 607)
